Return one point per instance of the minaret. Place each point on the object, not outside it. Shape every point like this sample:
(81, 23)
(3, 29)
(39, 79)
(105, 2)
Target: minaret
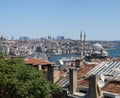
(84, 36)
(84, 47)
(81, 45)
(81, 36)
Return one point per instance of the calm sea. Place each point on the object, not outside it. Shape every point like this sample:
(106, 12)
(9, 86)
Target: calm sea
(114, 52)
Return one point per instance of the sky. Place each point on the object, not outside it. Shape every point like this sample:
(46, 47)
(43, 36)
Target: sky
(100, 19)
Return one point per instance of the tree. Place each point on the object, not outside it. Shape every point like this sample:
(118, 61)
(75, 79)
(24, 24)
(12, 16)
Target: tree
(22, 81)
(2, 55)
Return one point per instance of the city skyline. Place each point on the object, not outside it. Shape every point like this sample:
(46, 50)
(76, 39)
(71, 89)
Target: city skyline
(42, 18)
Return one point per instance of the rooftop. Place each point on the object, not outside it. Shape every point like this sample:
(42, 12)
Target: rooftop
(111, 70)
(37, 62)
(81, 73)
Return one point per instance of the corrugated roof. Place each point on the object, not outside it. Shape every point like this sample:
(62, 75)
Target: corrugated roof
(110, 69)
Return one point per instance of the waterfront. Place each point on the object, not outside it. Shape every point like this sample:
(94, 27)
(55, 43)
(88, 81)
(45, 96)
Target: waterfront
(114, 52)
(56, 58)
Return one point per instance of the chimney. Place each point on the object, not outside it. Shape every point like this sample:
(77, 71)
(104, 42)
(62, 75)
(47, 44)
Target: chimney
(50, 73)
(94, 90)
(79, 63)
(53, 74)
(72, 80)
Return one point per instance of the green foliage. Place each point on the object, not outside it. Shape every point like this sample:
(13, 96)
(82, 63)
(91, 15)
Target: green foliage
(2, 55)
(22, 81)
(11, 53)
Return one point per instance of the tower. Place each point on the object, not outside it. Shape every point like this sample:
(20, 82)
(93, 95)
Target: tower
(81, 35)
(83, 44)
(84, 36)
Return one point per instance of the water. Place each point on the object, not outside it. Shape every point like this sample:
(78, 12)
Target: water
(56, 58)
(114, 52)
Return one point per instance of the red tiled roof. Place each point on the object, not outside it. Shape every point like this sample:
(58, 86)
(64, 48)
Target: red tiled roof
(83, 71)
(36, 62)
(116, 59)
(112, 87)
(84, 82)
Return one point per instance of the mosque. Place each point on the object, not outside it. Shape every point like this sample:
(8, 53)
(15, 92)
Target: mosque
(94, 51)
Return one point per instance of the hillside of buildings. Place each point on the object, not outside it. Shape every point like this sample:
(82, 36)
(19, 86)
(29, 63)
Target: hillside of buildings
(93, 75)
(39, 47)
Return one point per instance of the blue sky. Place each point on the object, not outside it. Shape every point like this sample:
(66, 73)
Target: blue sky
(100, 19)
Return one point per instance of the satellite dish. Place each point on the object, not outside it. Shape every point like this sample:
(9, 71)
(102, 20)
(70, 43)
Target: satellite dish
(101, 83)
(102, 77)
(117, 96)
(61, 62)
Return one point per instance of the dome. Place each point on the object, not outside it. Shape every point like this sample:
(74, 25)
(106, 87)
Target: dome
(96, 52)
(105, 53)
(98, 47)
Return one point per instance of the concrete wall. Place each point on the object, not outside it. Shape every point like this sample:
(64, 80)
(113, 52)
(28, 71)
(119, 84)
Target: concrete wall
(56, 76)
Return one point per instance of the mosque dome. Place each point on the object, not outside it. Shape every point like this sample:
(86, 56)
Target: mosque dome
(96, 52)
(105, 53)
(98, 47)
